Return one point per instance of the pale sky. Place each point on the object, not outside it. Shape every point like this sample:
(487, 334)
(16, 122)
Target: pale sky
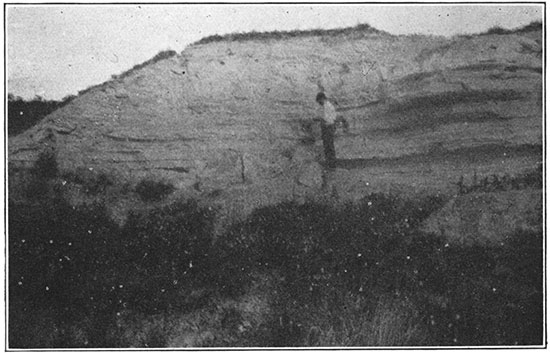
(54, 51)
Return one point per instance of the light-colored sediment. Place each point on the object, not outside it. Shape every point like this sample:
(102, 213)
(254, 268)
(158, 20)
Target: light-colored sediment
(232, 122)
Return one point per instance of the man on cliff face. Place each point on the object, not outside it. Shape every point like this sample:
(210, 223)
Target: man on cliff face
(328, 128)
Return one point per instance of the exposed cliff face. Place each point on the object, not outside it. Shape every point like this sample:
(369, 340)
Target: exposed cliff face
(233, 121)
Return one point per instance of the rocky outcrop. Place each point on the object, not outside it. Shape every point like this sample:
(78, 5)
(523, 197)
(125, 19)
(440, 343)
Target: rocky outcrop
(238, 116)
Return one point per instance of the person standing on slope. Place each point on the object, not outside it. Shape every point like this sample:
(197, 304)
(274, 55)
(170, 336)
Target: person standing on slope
(328, 128)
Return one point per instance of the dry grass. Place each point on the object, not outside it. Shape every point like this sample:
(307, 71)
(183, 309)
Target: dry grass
(393, 323)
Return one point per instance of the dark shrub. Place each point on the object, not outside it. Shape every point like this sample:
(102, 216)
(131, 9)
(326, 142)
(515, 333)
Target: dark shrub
(152, 190)
(74, 264)
(45, 166)
(491, 296)
(44, 169)
(166, 252)
(322, 255)
(319, 247)
(92, 182)
(62, 260)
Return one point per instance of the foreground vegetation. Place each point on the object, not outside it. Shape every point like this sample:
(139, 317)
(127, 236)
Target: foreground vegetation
(350, 275)
(353, 275)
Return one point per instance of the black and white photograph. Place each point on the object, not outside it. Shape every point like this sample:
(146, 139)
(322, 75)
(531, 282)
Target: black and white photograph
(275, 176)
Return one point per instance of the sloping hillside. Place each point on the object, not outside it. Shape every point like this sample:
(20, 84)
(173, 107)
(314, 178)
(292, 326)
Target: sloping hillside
(232, 120)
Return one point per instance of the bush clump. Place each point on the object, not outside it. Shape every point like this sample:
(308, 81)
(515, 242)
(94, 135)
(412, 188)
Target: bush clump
(44, 169)
(62, 260)
(93, 183)
(169, 252)
(325, 255)
(46, 166)
(370, 258)
(75, 265)
(486, 296)
(341, 240)
(153, 190)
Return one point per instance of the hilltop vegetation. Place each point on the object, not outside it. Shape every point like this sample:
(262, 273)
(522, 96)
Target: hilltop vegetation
(531, 27)
(357, 31)
(162, 55)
